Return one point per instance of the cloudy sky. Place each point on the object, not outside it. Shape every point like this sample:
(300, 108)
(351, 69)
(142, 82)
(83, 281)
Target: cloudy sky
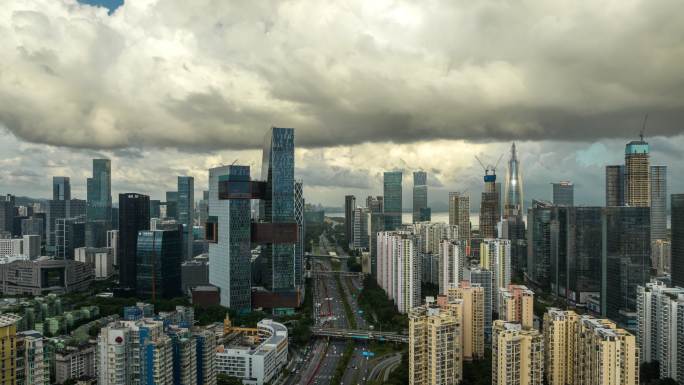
(173, 87)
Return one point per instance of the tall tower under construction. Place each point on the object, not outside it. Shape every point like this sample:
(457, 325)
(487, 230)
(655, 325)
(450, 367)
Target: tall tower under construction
(489, 205)
(637, 177)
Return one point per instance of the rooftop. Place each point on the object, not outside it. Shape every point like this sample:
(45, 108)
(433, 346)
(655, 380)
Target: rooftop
(8, 319)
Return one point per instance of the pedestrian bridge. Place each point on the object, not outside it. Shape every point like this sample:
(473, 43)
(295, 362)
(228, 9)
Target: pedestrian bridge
(360, 334)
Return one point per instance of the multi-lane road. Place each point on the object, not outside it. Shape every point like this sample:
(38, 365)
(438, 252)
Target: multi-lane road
(319, 364)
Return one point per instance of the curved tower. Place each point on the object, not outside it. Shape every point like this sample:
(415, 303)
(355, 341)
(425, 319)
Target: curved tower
(513, 190)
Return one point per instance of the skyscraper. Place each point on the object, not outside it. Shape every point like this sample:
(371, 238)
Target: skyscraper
(301, 233)
(100, 191)
(543, 219)
(392, 199)
(399, 268)
(360, 229)
(473, 297)
(658, 202)
(626, 260)
(349, 208)
(495, 256)
(637, 182)
(517, 355)
(377, 224)
(186, 211)
(489, 205)
(563, 193)
(435, 352)
(61, 188)
(277, 170)
(57, 209)
(228, 231)
(452, 262)
(483, 278)
(615, 185)
(513, 193)
(677, 248)
(421, 211)
(459, 215)
(171, 204)
(134, 216)
(660, 316)
(158, 263)
(7, 213)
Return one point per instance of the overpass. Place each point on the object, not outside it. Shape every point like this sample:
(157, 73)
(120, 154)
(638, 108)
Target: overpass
(337, 272)
(360, 334)
(326, 256)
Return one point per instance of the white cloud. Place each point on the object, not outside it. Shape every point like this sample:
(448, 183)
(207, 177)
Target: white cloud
(213, 75)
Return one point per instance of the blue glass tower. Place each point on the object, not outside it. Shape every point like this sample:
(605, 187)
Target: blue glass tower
(186, 211)
(158, 266)
(392, 199)
(278, 206)
(100, 191)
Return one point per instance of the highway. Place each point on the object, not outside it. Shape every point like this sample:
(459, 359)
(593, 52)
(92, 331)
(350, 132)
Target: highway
(324, 355)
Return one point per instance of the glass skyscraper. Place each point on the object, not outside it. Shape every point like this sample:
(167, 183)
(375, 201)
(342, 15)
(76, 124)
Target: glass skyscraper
(158, 263)
(392, 200)
(421, 211)
(134, 216)
(228, 231)
(677, 260)
(278, 206)
(299, 218)
(563, 194)
(658, 202)
(626, 261)
(615, 185)
(61, 188)
(186, 211)
(100, 191)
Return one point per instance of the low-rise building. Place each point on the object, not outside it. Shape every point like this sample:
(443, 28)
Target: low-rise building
(100, 258)
(75, 362)
(259, 362)
(44, 275)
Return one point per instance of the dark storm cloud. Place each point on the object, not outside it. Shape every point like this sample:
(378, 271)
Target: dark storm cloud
(203, 75)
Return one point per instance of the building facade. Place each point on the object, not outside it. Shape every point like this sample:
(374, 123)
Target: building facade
(517, 355)
(399, 268)
(677, 249)
(158, 264)
(473, 325)
(421, 211)
(349, 209)
(99, 191)
(134, 216)
(459, 215)
(186, 211)
(563, 194)
(637, 178)
(658, 180)
(516, 304)
(230, 247)
(435, 355)
(392, 199)
(660, 331)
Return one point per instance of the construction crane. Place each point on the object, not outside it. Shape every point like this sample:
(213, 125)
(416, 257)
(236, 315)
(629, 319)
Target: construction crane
(643, 128)
(489, 168)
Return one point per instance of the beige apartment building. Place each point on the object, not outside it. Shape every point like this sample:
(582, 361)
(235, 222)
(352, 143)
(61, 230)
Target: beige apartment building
(582, 350)
(516, 304)
(517, 355)
(435, 356)
(473, 297)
